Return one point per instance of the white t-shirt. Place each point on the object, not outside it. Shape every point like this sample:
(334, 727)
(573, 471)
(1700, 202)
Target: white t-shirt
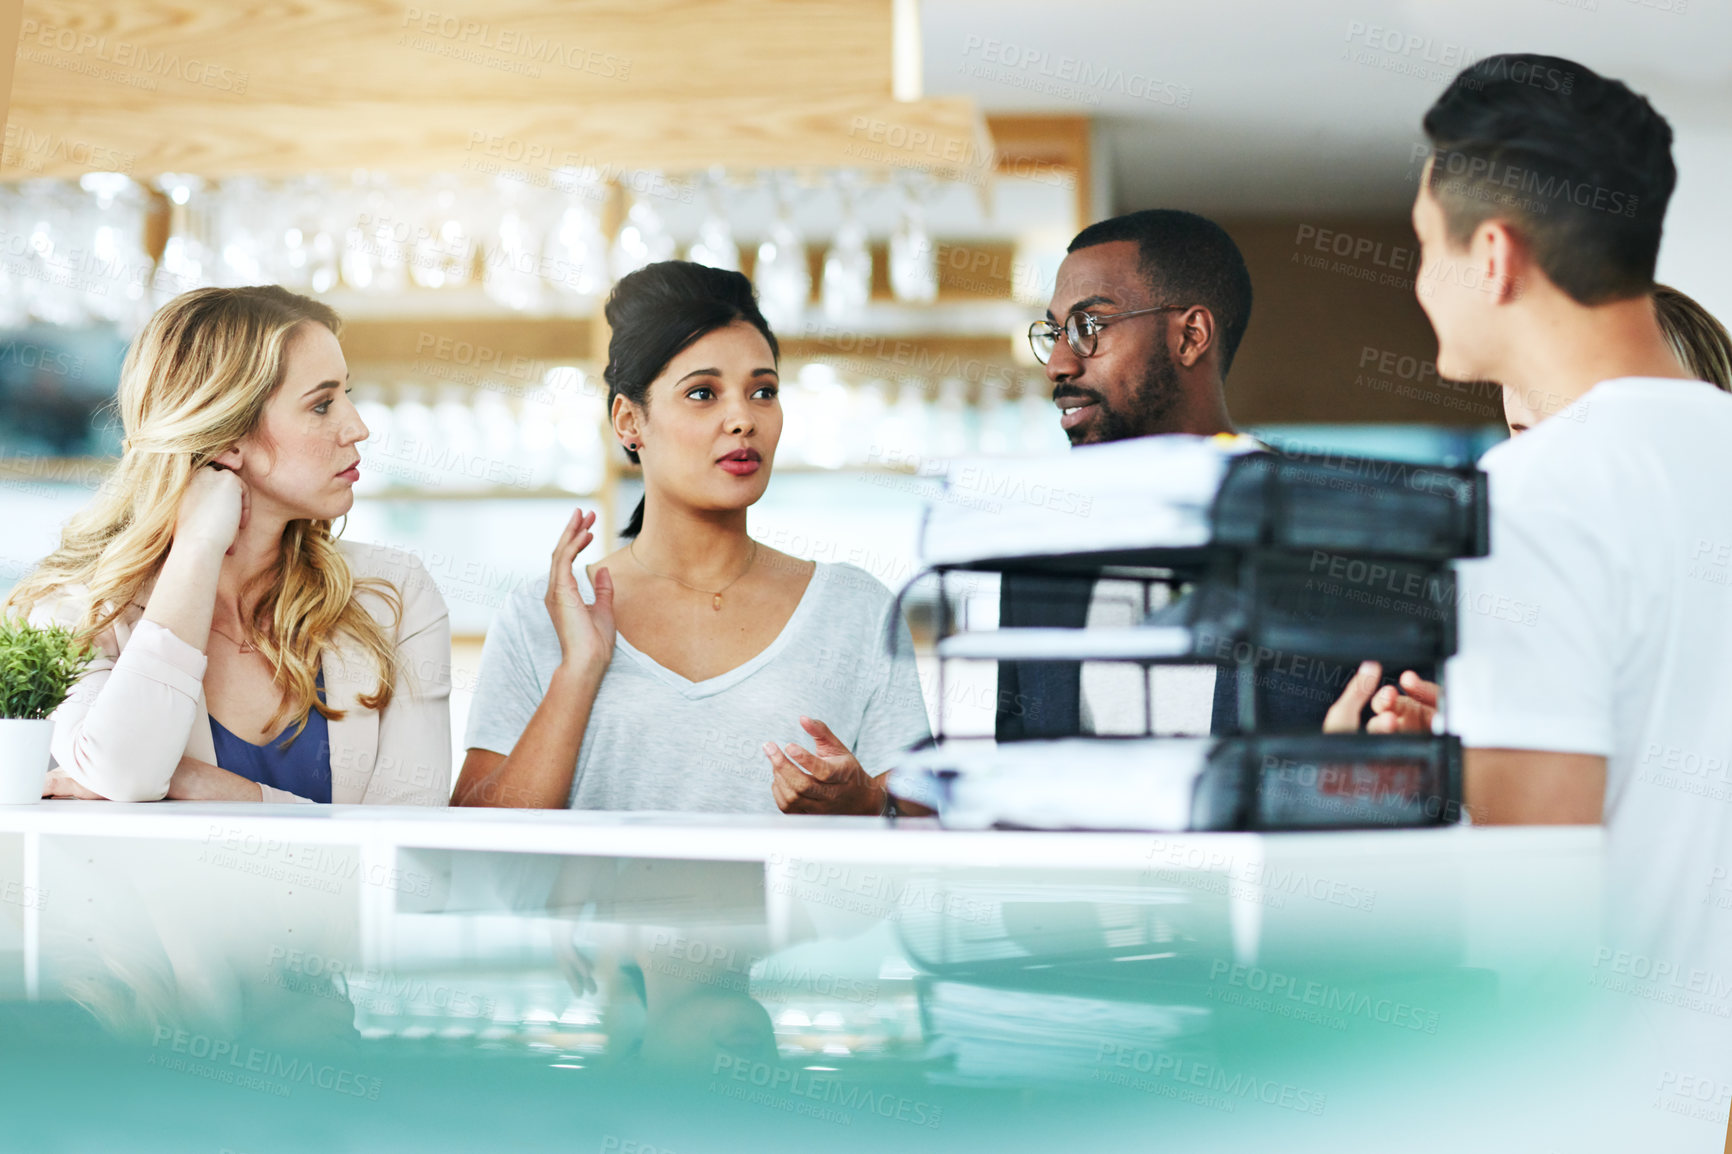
(657, 741)
(1601, 623)
(1116, 695)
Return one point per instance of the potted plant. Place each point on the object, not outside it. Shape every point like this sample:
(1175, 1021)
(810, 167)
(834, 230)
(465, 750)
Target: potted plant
(37, 669)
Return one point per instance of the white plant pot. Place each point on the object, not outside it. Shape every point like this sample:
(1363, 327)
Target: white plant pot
(23, 760)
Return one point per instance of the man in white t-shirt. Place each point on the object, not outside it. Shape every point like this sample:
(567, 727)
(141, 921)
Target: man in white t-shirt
(1593, 680)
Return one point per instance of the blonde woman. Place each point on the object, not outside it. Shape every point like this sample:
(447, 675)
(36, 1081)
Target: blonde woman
(244, 653)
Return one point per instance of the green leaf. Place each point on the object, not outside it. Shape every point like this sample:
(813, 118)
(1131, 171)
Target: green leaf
(38, 667)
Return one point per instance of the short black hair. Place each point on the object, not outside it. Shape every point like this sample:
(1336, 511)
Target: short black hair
(1579, 165)
(1187, 259)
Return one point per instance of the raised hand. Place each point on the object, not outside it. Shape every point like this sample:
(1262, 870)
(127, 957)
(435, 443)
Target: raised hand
(829, 780)
(213, 509)
(586, 632)
(1408, 710)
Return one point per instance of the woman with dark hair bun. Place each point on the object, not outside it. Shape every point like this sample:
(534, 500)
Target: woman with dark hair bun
(678, 672)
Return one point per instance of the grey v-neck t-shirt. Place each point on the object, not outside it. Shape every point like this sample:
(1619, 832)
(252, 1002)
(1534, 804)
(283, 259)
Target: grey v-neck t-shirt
(657, 741)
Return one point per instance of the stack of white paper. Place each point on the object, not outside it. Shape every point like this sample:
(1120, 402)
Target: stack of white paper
(1138, 783)
(1151, 492)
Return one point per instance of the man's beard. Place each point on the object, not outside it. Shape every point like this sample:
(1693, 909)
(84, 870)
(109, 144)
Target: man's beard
(1149, 405)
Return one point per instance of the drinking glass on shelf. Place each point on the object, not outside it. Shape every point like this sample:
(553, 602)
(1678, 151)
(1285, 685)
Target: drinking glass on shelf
(952, 420)
(186, 261)
(51, 280)
(821, 403)
(116, 222)
(715, 245)
(496, 441)
(643, 239)
(784, 279)
(240, 207)
(913, 259)
(511, 272)
(576, 246)
(1041, 432)
(442, 249)
(848, 265)
(14, 311)
(579, 422)
(461, 465)
(305, 258)
(373, 257)
(866, 413)
(414, 437)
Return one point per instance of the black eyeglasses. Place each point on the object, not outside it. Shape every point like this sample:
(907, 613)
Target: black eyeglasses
(1082, 330)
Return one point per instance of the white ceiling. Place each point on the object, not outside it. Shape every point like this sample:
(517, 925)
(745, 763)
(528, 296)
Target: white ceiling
(1255, 108)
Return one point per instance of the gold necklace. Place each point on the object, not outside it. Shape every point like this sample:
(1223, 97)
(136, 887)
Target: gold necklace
(244, 647)
(716, 597)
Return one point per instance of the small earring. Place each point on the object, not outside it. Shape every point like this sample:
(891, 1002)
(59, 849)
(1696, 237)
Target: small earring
(632, 446)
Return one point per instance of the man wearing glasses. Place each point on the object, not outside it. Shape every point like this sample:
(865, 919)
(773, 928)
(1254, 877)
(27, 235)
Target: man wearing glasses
(1147, 312)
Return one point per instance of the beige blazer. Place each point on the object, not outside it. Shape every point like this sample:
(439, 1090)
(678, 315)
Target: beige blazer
(140, 706)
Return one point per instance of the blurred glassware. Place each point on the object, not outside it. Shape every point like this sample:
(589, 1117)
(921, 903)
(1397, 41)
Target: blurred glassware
(306, 257)
(951, 420)
(117, 251)
(783, 276)
(904, 434)
(511, 271)
(537, 432)
(1000, 422)
(186, 262)
(866, 415)
(579, 413)
(239, 207)
(913, 259)
(442, 252)
(848, 265)
(414, 435)
(374, 257)
(496, 440)
(823, 403)
(13, 309)
(643, 239)
(576, 246)
(459, 463)
(1041, 432)
(51, 275)
(715, 245)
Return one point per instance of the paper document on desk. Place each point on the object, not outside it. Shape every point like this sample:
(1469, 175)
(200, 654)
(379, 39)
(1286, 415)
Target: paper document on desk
(1151, 492)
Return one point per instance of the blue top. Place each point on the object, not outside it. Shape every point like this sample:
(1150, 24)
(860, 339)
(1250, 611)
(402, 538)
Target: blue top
(302, 766)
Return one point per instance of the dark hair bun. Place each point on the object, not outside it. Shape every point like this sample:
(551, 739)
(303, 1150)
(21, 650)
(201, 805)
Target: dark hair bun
(659, 310)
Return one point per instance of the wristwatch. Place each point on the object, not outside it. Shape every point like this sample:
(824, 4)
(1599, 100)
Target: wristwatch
(890, 809)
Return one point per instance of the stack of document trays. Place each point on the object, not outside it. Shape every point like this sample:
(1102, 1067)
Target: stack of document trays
(1250, 561)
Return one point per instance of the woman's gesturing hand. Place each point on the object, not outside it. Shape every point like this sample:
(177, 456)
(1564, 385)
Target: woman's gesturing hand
(213, 509)
(586, 632)
(828, 781)
(1409, 710)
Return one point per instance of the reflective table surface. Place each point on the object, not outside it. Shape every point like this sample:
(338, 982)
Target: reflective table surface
(206, 977)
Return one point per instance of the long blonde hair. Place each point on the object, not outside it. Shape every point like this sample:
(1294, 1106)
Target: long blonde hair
(194, 383)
